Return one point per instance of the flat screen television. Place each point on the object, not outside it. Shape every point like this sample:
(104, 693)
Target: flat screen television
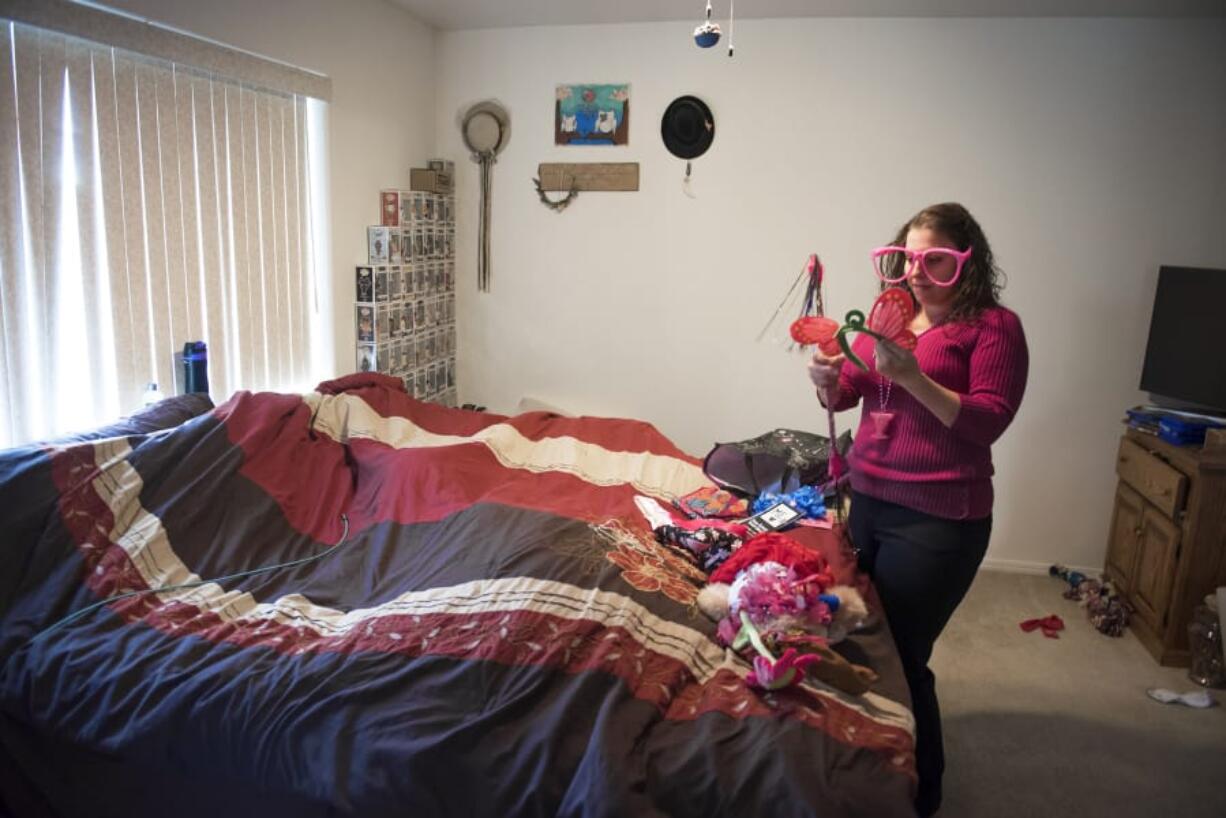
(1185, 359)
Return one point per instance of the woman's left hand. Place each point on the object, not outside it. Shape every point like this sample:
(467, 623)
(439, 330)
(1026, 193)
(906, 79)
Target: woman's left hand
(897, 364)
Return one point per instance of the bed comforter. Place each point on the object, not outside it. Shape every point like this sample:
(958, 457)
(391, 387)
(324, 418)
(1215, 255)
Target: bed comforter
(476, 621)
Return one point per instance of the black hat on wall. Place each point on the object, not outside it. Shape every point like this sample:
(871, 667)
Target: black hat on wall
(688, 127)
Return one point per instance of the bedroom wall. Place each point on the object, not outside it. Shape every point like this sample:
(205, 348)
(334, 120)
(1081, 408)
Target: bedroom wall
(380, 120)
(1091, 150)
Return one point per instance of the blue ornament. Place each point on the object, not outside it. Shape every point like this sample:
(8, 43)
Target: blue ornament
(707, 34)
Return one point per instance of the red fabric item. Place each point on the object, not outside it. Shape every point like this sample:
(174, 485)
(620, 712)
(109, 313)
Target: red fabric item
(1048, 624)
(923, 465)
(312, 475)
(358, 380)
(773, 547)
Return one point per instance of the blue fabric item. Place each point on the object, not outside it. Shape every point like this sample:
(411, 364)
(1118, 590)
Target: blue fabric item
(806, 499)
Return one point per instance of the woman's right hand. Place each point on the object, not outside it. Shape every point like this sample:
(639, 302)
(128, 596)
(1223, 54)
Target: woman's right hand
(824, 371)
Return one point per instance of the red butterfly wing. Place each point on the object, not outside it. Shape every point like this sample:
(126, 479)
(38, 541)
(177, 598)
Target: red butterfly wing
(816, 329)
(891, 317)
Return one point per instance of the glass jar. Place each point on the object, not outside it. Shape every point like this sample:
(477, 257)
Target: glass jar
(1205, 645)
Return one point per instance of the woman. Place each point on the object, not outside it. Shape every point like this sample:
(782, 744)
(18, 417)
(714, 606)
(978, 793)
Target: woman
(921, 466)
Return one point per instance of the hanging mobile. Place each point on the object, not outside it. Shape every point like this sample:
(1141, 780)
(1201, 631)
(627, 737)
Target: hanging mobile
(731, 25)
(707, 33)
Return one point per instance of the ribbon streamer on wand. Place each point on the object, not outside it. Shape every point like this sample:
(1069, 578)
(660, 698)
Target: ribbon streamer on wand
(813, 327)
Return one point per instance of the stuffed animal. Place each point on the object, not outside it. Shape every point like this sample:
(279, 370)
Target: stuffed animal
(778, 597)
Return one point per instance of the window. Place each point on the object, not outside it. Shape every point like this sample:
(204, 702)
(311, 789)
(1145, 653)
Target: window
(145, 204)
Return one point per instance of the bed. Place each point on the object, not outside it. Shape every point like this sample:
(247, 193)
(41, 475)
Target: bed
(471, 618)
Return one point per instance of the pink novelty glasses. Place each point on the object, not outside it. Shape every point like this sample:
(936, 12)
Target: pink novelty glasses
(942, 265)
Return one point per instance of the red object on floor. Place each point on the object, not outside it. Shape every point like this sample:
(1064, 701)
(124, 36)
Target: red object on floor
(1048, 624)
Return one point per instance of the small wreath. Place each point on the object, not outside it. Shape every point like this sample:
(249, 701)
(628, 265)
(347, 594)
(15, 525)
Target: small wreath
(561, 204)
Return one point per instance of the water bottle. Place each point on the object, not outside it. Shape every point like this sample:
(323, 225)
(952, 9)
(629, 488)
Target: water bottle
(195, 367)
(152, 394)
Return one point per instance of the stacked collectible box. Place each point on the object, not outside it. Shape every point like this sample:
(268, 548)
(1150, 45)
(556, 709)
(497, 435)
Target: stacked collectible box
(406, 294)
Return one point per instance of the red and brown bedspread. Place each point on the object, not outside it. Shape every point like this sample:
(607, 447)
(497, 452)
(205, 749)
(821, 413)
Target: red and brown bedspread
(488, 628)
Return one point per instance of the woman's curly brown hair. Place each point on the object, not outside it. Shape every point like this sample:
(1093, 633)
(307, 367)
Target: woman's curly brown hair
(981, 282)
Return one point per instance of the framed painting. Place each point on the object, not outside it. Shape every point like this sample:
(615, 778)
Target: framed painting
(592, 114)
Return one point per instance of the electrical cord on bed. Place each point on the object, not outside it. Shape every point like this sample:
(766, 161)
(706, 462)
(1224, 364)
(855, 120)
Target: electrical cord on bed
(184, 586)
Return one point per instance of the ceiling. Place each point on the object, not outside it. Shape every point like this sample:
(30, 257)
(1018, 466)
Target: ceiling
(451, 15)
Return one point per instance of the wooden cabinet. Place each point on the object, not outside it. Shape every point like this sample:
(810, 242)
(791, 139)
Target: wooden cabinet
(1166, 546)
(1125, 537)
(1157, 551)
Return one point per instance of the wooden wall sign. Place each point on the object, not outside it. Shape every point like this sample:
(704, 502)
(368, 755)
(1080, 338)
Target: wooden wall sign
(563, 176)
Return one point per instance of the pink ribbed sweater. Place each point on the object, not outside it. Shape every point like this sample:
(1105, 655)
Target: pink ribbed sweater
(946, 472)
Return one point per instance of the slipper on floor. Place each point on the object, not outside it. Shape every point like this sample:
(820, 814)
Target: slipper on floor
(1193, 698)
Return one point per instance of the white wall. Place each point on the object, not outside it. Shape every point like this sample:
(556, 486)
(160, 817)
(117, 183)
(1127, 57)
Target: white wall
(381, 117)
(1091, 151)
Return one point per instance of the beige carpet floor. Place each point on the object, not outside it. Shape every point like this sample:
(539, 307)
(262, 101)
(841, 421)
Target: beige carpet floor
(1062, 727)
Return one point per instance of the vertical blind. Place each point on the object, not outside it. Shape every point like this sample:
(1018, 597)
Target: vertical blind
(143, 205)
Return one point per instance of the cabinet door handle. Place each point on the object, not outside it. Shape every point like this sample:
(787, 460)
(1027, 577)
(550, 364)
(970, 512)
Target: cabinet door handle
(1137, 531)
